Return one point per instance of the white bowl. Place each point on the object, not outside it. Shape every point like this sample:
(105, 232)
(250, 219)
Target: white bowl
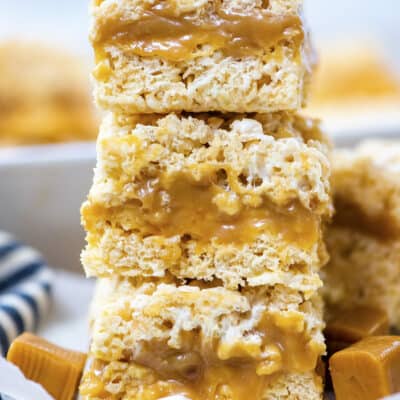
(41, 190)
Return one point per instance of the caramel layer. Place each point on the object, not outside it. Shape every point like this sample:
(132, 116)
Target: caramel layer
(160, 32)
(217, 382)
(204, 210)
(285, 347)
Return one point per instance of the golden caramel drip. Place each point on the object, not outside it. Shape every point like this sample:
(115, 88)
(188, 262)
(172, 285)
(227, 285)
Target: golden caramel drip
(214, 382)
(204, 210)
(58, 370)
(210, 373)
(368, 370)
(217, 382)
(285, 347)
(160, 32)
(287, 334)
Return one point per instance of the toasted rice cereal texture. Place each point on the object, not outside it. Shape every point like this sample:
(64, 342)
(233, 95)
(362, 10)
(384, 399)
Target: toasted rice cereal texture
(274, 79)
(363, 270)
(279, 158)
(216, 322)
(282, 156)
(364, 241)
(268, 261)
(368, 179)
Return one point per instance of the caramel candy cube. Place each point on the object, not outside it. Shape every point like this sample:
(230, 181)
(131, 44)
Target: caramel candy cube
(58, 370)
(367, 370)
(346, 327)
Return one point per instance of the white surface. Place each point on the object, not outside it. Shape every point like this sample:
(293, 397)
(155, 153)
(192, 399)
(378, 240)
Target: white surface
(368, 123)
(47, 154)
(14, 384)
(347, 130)
(67, 323)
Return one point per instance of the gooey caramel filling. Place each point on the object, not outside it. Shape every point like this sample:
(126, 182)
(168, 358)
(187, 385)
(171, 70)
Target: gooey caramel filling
(207, 382)
(201, 367)
(161, 32)
(206, 373)
(218, 382)
(285, 347)
(177, 205)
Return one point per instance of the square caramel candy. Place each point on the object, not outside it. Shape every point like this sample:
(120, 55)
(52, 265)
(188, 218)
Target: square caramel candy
(367, 370)
(57, 369)
(345, 327)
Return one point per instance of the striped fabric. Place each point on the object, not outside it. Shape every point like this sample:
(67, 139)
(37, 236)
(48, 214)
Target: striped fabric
(25, 289)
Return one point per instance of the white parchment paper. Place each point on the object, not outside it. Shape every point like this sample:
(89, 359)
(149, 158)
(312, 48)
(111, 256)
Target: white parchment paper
(14, 384)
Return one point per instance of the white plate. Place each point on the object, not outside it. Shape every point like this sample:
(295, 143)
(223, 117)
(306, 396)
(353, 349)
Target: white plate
(67, 323)
(41, 191)
(348, 128)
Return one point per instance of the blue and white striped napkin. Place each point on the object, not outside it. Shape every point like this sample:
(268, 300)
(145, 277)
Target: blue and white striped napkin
(25, 289)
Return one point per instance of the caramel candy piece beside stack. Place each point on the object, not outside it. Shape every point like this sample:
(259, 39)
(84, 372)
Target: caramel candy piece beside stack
(367, 370)
(58, 370)
(348, 326)
(205, 219)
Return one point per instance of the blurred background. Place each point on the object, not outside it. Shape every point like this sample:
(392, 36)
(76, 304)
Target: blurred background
(48, 122)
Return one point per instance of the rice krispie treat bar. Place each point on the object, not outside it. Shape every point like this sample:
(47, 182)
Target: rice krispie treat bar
(364, 241)
(156, 56)
(239, 198)
(180, 329)
(152, 339)
(129, 381)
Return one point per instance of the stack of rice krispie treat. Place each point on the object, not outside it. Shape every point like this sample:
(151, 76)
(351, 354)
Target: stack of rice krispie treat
(364, 240)
(205, 219)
